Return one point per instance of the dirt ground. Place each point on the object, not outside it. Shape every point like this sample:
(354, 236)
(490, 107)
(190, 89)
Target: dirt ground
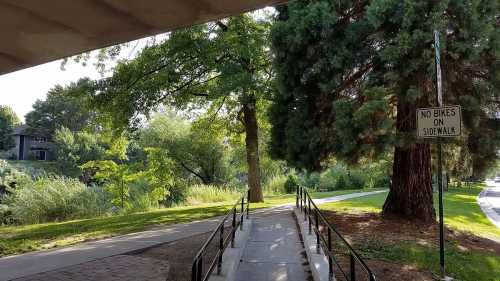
(370, 229)
(179, 254)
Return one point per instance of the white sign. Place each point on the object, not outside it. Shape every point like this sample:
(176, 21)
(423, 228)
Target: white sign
(443, 121)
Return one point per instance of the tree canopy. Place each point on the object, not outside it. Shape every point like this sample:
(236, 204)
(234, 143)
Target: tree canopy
(8, 120)
(223, 65)
(67, 107)
(352, 73)
(195, 150)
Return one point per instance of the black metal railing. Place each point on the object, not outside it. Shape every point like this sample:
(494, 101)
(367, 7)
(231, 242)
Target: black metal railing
(199, 270)
(339, 252)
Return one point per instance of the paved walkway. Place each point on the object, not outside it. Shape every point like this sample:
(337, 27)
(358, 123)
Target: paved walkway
(346, 196)
(489, 200)
(274, 251)
(43, 261)
(276, 220)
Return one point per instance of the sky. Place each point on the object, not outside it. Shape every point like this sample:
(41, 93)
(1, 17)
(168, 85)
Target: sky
(21, 89)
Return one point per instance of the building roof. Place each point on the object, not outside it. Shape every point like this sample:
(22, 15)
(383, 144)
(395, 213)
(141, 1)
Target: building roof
(35, 32)
(25, 130)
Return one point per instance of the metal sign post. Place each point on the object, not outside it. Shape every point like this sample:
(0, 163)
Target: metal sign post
(440, 156)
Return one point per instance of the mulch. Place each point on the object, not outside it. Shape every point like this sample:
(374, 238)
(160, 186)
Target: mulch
(370, 228)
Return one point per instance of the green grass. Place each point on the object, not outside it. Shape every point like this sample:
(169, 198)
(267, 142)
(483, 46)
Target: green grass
(461, 211)
(467, 266)
(20, 239)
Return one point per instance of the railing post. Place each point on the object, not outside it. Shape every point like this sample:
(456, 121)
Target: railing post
(353, 268)
(242, 212)
(316, 221)
(199, 271)
(233, 227)
(221, 249)
(309, 211)
(300, 198)
(297, 197)
(194, 271)
(248, 204)
(330, 265)
(305, 204)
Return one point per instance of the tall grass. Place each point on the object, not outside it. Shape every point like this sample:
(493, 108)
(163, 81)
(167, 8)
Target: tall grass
(200, 193)
(56, 199)
(275, 185)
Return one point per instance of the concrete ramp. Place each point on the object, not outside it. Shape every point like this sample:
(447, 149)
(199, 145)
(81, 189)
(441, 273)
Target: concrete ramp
(274, 251)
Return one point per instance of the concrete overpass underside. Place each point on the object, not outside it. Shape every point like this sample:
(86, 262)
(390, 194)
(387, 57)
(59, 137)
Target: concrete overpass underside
(33, 32)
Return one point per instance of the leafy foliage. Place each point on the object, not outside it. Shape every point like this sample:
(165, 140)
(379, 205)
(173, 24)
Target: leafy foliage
(345, 66)
(195, 150)
(64, 107)
(291, 184)
(75, 149)
(8, 120)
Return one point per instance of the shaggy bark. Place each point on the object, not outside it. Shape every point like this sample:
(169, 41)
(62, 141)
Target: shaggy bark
(410, 193)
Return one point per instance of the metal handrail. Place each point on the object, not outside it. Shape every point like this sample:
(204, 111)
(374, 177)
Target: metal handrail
(305, 203)
(236, 222)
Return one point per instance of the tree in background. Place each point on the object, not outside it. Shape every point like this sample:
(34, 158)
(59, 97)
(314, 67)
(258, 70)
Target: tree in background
(113, 171)
(8, 120)
(351, 75)
(195, 150)
(73, 149)
(64, 107)
(223, 64)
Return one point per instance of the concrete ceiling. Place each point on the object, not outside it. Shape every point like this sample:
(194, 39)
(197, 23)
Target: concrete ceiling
(33, 32)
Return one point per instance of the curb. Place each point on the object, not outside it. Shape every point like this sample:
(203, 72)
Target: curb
(318, 263)
(487, 208)
(232, 256)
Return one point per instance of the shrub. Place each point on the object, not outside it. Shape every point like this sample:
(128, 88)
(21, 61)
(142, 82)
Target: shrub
(6, 215)
(56, 199)
(341, 183)
(327, 180)
(177, 194)
(275, 185)
(291, 184)
(201, 193)
(356, 180)
(311, 181)
(382, 181)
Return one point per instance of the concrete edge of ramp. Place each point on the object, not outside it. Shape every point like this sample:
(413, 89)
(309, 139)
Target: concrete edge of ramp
(318, 262)
(487, 208)
(232, 256)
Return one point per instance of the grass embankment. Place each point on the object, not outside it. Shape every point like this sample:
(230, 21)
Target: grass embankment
(27, 238)
(469, 256)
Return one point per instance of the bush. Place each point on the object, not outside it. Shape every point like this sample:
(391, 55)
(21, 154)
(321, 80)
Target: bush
(56, 199)
(327, 181)
(356, 180)
(6, 215)
(275, 185)
(311, 181)
(201, 193)
(177, 194)
(341, 183)
(382, 181)
(291, 184)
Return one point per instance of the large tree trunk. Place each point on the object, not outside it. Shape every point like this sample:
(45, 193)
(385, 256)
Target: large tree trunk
(410, 193)
(252, 147)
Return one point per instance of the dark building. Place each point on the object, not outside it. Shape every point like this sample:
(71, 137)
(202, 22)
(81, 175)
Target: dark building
(32, 144)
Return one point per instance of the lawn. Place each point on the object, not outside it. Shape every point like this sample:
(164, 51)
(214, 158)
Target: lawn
(461, 211)
(470, 255)
(20, 239)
